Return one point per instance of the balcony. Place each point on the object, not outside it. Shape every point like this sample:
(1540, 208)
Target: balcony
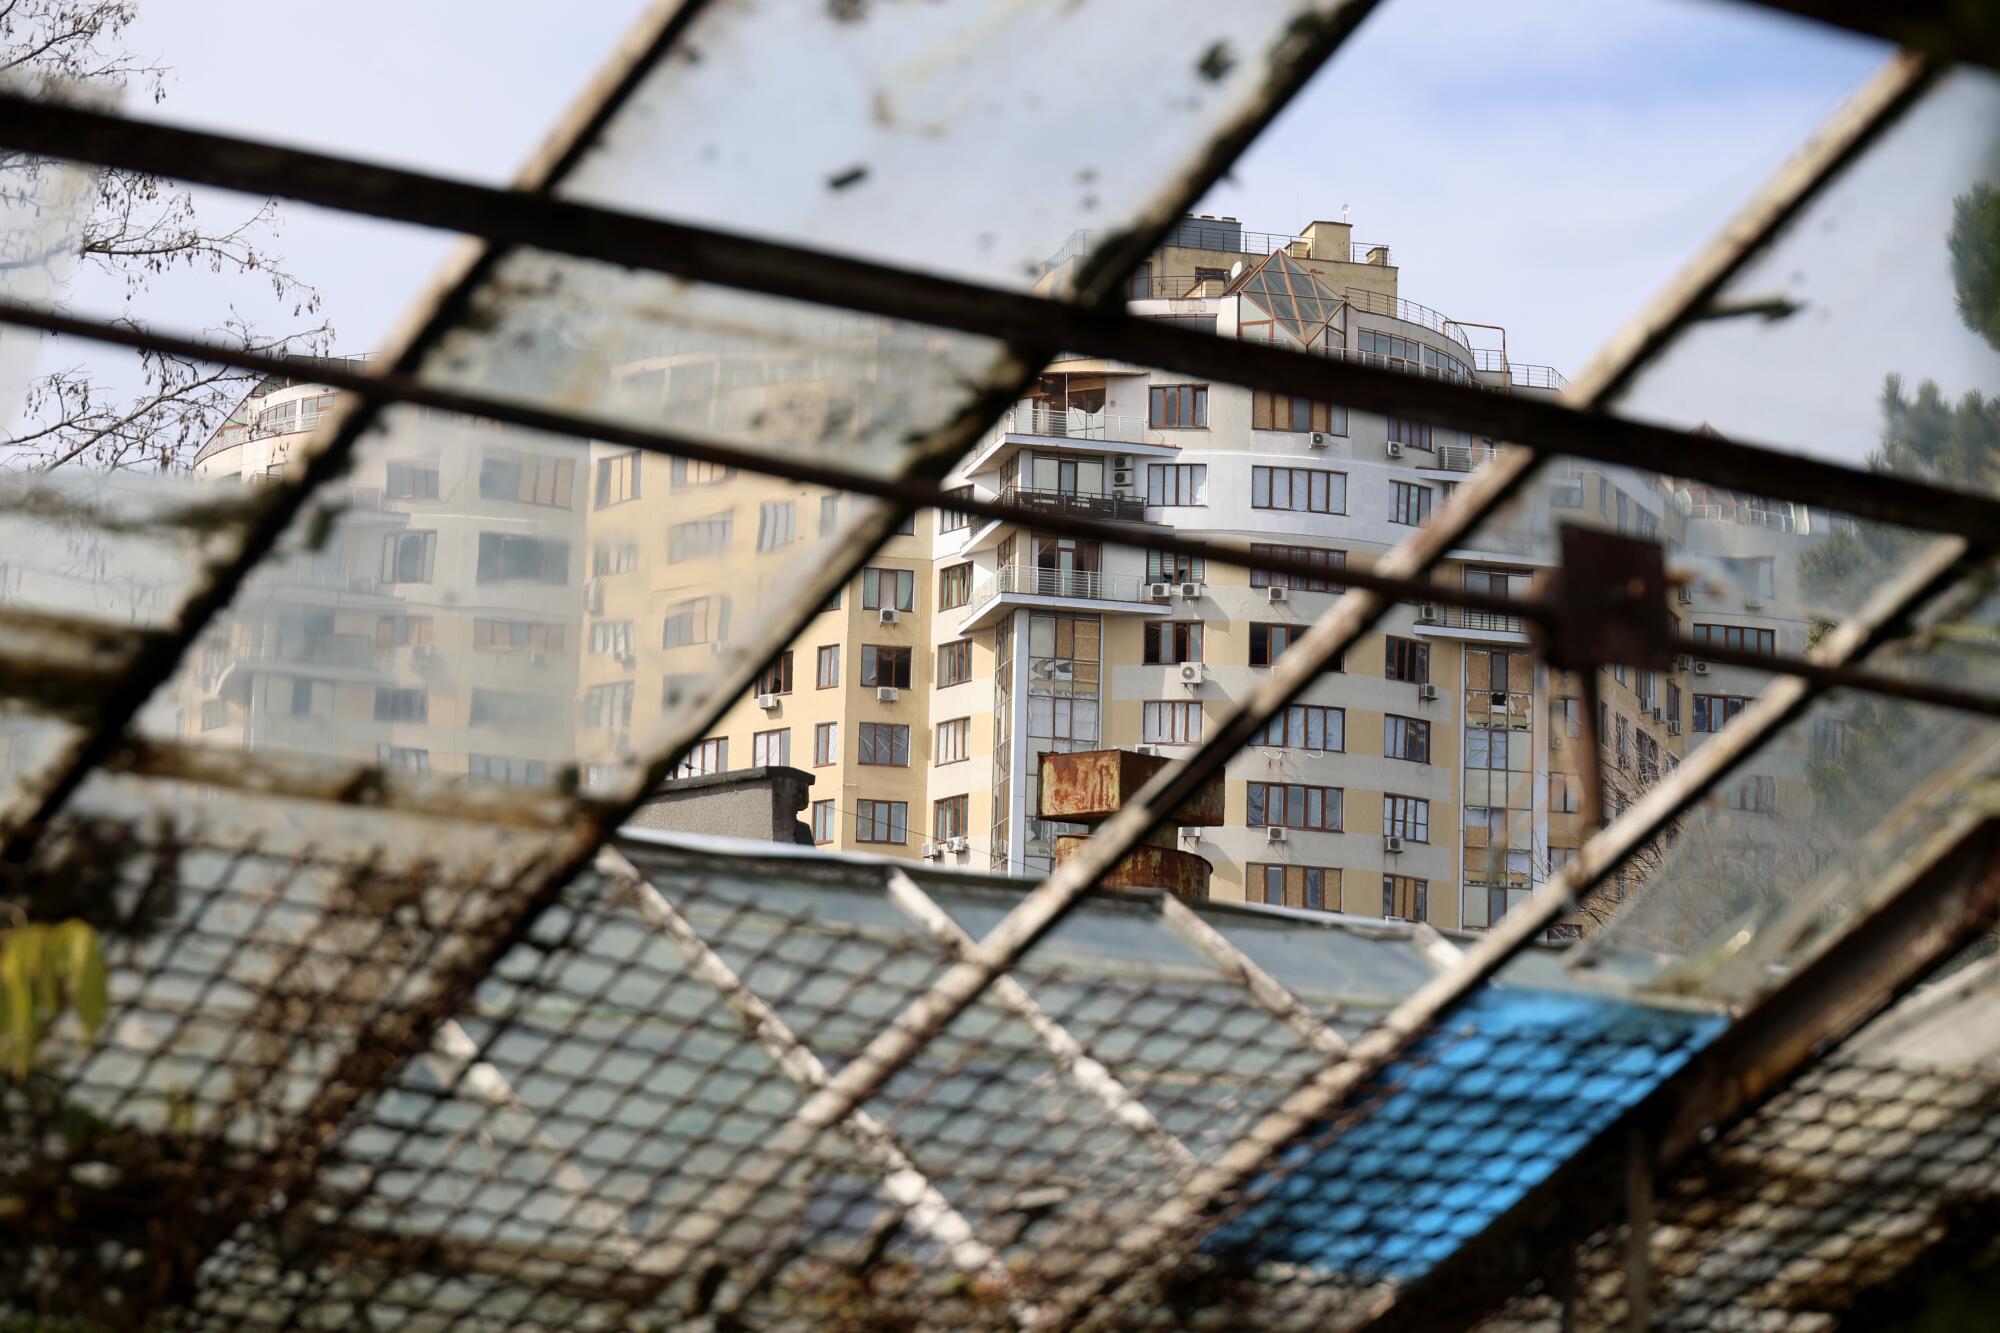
(1456, 622)
(1461, 457)
(1089, 589)
(1120, 508)
(1069, 423)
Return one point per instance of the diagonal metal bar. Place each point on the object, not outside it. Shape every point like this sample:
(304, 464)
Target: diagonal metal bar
(902, 1182)
(1076, 1063)
(1146, 1245)
(1946, 29)
(1260, 985)
(1030, 321)
(1943, 895)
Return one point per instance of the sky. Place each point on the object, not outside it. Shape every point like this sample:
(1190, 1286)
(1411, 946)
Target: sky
(1545, 165)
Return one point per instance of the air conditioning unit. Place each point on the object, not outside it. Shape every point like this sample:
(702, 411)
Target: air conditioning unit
(1121, 481)
(422, 652)
(1673, 728)
(1393, 449)
(1276, 834)
(627, 660)
(1751, 604)
(1190, 833)
(1190, 590)
(1190, 673)
(717, 647)
(1427, 613)
(1659, 715)
(1683, 662)
(886, 694)
(1684, 595)
(538, 659)
(1427, 694)
(1159, 590)
(1318, 440)
(1145, 749)
(888, 615)
(1699, 668)
(1123, 462)
(593, 596)
(957, 845)
(767, 702)
(933, 850)
(1274, 593)
(1392, 844)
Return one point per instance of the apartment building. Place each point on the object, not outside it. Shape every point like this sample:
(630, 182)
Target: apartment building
(524, 610)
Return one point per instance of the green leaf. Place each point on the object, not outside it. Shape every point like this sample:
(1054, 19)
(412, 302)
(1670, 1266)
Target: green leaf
(83, 960)
(17, 988)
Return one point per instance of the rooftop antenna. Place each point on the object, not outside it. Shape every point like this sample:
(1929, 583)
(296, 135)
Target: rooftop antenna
(1345, 210)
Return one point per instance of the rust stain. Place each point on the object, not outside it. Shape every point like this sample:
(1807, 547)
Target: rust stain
(1090, 786)
(1180, 873)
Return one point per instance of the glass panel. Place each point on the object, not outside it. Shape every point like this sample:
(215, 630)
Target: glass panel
(1882, 287)
(442, 608)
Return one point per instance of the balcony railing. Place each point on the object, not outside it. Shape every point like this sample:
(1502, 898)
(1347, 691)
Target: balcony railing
(1075, 424)
(1744, 516)
(1493, 361)
(1210, 234)
(1375, 303)
(1088, 584)
(1464, 457)
(1120, 508)
(353, 651)
(1436, 615)
(1398, 364)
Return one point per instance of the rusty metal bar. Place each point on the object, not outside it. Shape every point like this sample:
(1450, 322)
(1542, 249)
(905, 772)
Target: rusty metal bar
(904, 1184)
(1943, 896)
(1076, 1063)
(1030, 321)
(1270, 993)
(1946, 30)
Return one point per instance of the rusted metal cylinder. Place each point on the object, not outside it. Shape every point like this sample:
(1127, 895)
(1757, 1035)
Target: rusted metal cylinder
(1180, 873)
(1090, 786)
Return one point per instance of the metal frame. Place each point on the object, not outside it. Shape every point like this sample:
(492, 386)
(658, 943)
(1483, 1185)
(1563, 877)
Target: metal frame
(530, 216)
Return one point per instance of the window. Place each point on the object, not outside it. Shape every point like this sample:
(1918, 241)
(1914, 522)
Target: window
(1166, 567)
(953, 520)
(883, 665)
(771, 749)
(608, 705)
(1750, 573)
(1407, 659)
(503, 768)
(694, 472)
(1486, 747)
(777, 524)
(1176, 484)
(1564, 789)
(617, 480)
(823, 821)
(827, 672)
(1289, 805)
(895, 588)
(1294, 886)
(1416, 434)
(1308, 490)
(535, 481)
(1713, 711)
(1829, 739)
(1405, 899)
(402, 631)
(611, 638)
(829, 514)
(506, 558)
(906, 526)
(613, 558)
(777, 677)
(1673, 702)
(294, 697)
(954, 663)
(826, 744)
(1305, 727)
(881, 821)
(954, 586)
(885, 743)
(1172, 641)
(1173, 722)
(214, 713)
(407, 556)
(697, 620)
(1315, 555)
(1412, 504)
(1739, 637)
(1268, 643)
(406, 757)
(1406, 738)
(1179, 406)
(1566, 716)
(1624, 742)
(1406, 817)
(1756, 794)
(393, 705)
(1276, 411)
(500, 636)
(699, 537)
(704, 757)
(411, 481)
(950, 817)
(951, 740)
